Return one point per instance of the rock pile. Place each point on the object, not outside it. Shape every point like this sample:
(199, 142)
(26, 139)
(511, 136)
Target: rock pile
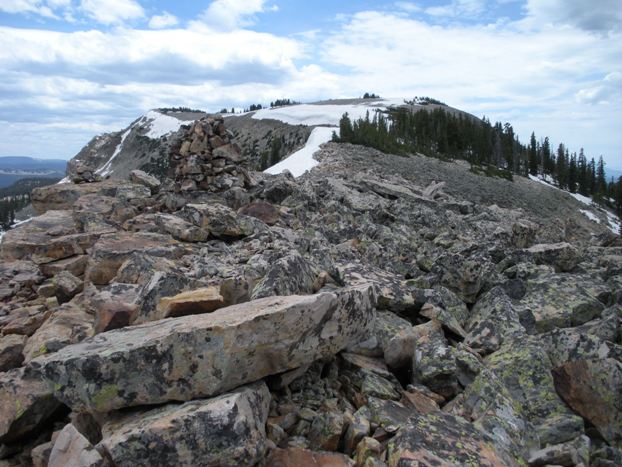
(207, 159)
(347, 318)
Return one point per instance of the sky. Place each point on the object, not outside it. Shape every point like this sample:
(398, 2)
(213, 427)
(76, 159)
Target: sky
(72, 69)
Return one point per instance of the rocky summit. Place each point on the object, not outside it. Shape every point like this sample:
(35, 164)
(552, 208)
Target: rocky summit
(378, 310)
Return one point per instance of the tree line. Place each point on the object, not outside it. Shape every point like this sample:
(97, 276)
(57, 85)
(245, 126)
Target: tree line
(455, 135)
(17, 196)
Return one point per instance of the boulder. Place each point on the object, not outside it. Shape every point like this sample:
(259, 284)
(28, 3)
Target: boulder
(11, 347)
(66, 286)
(326, 430)
(220, 221)
(71, 448)
(523, 233)
(593, 388)
(75, 265)
(193, 302)
(562, 256)
(561, 301)
(290, 275)
(201, 355)
(67, 325)
(26, 403)
(263, 211)
(143, 178)
(63, 196)
(493, 320)
(575, 452)
(180, 229)
(524, 368)
(228, 430)
(46, 238)
(109, 253)
(464, 276)
(433, 439)
(26, 320)
(297, 457)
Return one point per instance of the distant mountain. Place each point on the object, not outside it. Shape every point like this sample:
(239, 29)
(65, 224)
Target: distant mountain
(13, 169)
(615, 173)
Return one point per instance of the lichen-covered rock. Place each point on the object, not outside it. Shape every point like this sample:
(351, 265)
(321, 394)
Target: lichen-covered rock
(524, 368)
(201, 355)
(109, 253)
(71, 448)
(593, 388)
(66, 286)
(228, 430)
(220, 221)
(464, 276)
(561, 300)
(290, 275)
(143, 178)
(67, 325)
(46, 238)
(296, 457)
(192, 302)
(326, 431)
(434, 362)
(434, 439)
(265, 212)
(11, 347)
(180, 229)
(575, 452)
(493, 320)
(562, 256)
(26, 403)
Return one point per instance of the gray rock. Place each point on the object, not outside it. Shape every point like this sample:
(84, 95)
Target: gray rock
(227, 430)
(71, 448)
(11, 347)
(201, 355)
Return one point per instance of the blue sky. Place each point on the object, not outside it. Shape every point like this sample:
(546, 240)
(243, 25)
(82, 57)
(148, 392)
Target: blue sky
(70, 69)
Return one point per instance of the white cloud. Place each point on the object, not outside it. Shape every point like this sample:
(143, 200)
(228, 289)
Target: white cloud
(531, 78)
(234, 14)
(37, 7)
(597, 16)
(458, 8)
(164, 20)
(112, 11)
(408, 7)
(607, 91)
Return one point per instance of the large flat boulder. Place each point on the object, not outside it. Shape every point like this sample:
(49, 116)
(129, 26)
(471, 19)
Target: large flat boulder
(46, 238)
(443, 439)
(228, 430)
(64, 195)
(202, 355)
(111, 251)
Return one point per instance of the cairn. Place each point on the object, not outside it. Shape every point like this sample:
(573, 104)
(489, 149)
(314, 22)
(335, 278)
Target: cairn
(207, 159)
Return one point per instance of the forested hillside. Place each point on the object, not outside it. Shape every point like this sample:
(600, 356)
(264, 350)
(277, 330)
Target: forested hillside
(495, 148)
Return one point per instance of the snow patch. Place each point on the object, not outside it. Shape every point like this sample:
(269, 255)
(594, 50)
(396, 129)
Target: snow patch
(301, 161)
(105, 169)
(590, 215)
(328, 114)
(615, 224)
(160, 124)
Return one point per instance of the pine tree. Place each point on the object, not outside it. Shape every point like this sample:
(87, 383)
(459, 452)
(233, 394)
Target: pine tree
(572, 173)
(582, 175)
(561, 168)
(533, 155)
(601, 181)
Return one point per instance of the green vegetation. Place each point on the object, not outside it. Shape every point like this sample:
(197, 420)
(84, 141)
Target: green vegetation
(492, 150)
(283, 102)
(179, 109)
(370, 96)
(17, 196)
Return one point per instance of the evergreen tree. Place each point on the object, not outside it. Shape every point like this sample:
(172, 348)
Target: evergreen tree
(533, 155)
(572, 173)
(582, 174)
(601, 182)
(561, 168)
(548, 165)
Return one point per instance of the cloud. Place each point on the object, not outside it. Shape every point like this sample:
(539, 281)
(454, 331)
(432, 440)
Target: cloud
(603, 16)
(233, 14)
(164, 20)
(532, 78)
(608, 91)
(458, 8)
(37, 7)
(408, 7)
(111, 11)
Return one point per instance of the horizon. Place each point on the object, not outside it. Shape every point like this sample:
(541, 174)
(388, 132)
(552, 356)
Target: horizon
(74, 69)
